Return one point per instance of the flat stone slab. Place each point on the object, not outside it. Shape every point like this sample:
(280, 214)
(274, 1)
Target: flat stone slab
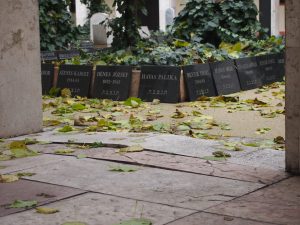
(179, 189)
(176, 162)
(264, 158)
(15, 165)
(98, 209)
(30, 190)
(168, 143)
(278, 203)
(213, 219)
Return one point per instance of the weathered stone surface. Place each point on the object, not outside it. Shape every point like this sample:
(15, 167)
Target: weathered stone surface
(265, 158)
(292, 86)
(213, 219)
(149, 184)
(96, 209)
(20, 74)
(28, 163)
(29, 190)
(175, 162)
(279, 204)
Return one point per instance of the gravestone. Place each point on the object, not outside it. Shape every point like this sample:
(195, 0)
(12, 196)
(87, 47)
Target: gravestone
(47, 56)
(170, 15)
(268, 67)
(249, 73)
(47, 78)
(225, 77)
(160, 82)
(98, 31)
(77, 78)
(199, 81)
(112, 82)
(63, 55)
(87, 46)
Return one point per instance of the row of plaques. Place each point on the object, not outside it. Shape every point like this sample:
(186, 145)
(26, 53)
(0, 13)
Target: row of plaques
(163, 82)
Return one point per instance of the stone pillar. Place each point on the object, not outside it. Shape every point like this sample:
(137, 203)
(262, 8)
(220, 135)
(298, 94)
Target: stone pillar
(293, 86)
(20, 68)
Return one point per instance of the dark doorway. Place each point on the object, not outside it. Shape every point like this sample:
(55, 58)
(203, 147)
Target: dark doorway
(152, 19)
(265, 14)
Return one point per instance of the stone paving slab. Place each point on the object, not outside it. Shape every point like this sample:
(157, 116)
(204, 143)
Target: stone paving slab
(30, 190)
(278, 203)
(98, 209)
(27, 163)
(213, 219)
(176, 162)
(264, 158)
(179, 189)
(168, 143)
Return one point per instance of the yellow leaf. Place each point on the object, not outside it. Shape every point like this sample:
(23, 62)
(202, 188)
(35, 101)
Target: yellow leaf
(134, 148)
(8, 178)
(46, 210)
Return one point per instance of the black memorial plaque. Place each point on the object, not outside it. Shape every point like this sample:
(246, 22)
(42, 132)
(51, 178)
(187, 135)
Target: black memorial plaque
(280, 60)
(199, 81)
(48, 56)
(268, 67)
(47, 78)
(160, 82)
(112, 82)
(225, 77)
(77, 78)
(87, 46)
(249, 73)
(62, 55)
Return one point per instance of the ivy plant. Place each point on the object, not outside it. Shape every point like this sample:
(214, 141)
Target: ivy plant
(125, 28)
(95, 6)
(56, 28)
(217, 21)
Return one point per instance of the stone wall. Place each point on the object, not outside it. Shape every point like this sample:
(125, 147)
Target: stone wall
(293, 86)
(20, 72)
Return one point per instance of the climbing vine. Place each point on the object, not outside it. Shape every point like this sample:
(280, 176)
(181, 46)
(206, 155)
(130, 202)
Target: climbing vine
(95, 6)
(125, 28)
(56, 28)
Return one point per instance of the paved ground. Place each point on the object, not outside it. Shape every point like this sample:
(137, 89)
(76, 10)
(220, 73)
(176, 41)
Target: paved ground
(91, 178)
(171, 182)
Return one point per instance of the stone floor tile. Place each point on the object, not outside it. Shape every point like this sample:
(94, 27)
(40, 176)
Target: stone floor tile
(196, 165)
(278, 203)
(213, 219)
(30, 190)
(98, 209)
(27, 163)
(179, 189)
(264, 158)
(177, 162)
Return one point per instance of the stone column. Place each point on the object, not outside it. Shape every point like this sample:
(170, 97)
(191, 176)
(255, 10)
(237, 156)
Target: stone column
(20, 68)
(293, 86)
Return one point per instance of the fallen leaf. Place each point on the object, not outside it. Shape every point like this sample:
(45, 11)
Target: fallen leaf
(64, 151)
(25, 174)
(8, 178)
(46, 210)
(155, 102)
(122, 168)
(263, 130)
(81, 156)
(134, 148)
(279, 140)
(133, 102)
(66, 129)
(135, 222)
(221, 154)
(23, 204)
(74, 223)
(65, 93)
(178, 115)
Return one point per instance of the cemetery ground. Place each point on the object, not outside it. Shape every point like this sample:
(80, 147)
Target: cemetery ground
(217, 160)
